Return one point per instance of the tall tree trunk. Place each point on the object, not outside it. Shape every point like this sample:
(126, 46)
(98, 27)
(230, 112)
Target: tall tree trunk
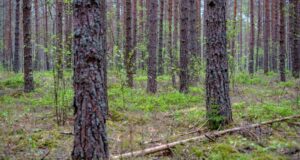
(266, 36)
(59, 38)
(68, 34)
(241, 43)
(16, 66)
(8, 36)
(28, 73)
(193, 46)
(184, 46)
(282, 53)
(47, 59)
(134, 32)
(275, 33)
(252, 34)
(171, 51)
(152, 84)
(198, 28)
(176, 37)
(233, 38)
(217, 82)
(141, 34)
(129, 54)
(90, 81)
(258, 35)
(37, 59)
(294, 38)
(160, 42)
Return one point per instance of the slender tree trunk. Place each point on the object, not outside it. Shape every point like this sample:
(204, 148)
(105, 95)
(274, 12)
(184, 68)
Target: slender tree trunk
(175, 39)
(171, 51)
(241, 43)
(252, 34)
(198, 28)
(193, 46)
(282, 53)
(160, 42)
(275, 33)
(266, 36)
(134, 32)
(37, 57)
(47, 54)
(90, 81)
(59, 38)
(28, 73)
(233, 38)
(258, 35)
(217, 81)
(68, 34)
(152, 84)
(16, 66)
(8, 36)
(184, 46)
(129, 54)
(141, 34)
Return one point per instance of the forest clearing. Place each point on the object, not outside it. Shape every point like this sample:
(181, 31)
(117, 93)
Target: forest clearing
(150, 79)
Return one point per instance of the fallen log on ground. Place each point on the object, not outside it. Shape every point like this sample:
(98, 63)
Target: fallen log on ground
(201, 137)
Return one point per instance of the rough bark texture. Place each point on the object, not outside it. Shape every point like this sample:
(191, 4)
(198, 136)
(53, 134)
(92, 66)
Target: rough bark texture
(217, 82)
(90, 82)
(266, 36)
(184, 46)
(294, 39)
(171, 50)
(28, 74)
(59, 38)
(152, 84)
(282, 53)
(16, 66)
(258, 35)
(252, 34)
(160, 42)
(128, 57)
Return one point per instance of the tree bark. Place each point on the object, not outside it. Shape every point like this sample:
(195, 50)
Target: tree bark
(258, 35)
(134, 32)
(171, 50)
(90, 80)
(47, 54)
(282, 53)
(37, 56)
(28, 73)
(59, 38)
(184, 46)
(16, 66)
(152, 84)
(252, 34)
(275, 33)
(266, 36)
(294, 38)
(160, 42)
(217, 82)
(129, 54)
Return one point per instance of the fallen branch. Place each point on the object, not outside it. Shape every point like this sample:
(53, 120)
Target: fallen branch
(201, 137)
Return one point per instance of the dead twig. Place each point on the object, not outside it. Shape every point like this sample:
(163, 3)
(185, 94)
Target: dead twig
(197, 138)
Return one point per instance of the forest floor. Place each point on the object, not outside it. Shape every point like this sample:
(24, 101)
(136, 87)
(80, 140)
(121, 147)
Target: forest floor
(28, 128)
